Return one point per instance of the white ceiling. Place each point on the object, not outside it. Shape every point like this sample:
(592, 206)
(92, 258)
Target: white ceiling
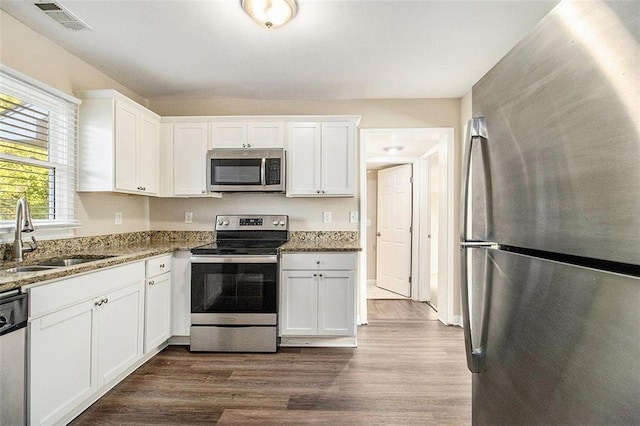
(345, 49)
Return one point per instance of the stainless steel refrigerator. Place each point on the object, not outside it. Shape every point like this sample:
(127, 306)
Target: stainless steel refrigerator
(551, 224)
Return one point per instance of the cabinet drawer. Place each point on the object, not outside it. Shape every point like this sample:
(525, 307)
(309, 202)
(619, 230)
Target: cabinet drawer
(59, 294)
(158, 265)
(319, 260)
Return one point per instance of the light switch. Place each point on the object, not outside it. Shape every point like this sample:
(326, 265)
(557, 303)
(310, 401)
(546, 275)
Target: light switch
(326, 217)
(118, 218)
(353, 217)
(188, 217)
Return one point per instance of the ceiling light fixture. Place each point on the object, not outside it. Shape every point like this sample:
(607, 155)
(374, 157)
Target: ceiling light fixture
(392, 149)
(270, 13)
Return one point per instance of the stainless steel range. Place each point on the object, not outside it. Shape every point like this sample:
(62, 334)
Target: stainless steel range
(234, 285)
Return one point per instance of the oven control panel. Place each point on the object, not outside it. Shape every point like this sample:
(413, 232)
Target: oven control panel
(252, 222)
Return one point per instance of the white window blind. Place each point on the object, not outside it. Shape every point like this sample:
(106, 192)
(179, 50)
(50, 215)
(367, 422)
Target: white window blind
(38, 129)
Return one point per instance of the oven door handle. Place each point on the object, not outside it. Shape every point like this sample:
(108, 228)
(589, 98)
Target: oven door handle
(234, 259)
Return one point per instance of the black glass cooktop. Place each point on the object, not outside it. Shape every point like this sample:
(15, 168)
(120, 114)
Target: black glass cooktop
(238, 247)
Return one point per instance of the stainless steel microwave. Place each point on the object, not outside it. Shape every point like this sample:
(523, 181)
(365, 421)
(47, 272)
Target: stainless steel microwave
(246, 170)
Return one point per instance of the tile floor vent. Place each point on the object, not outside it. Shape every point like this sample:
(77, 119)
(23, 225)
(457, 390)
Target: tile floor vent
(62, 16)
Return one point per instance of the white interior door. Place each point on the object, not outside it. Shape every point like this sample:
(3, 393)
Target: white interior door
(394, 229)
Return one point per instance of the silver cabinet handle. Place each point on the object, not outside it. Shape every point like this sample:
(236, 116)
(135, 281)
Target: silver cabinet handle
(97, 303)
(263, 172)
(315, 275)
(151, 282)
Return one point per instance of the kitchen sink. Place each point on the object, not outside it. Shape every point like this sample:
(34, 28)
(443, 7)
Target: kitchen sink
(56, 263)
(32, 268)
(70, 261)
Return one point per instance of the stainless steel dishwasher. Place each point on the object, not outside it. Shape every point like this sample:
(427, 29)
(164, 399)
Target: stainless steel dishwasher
(13, 322)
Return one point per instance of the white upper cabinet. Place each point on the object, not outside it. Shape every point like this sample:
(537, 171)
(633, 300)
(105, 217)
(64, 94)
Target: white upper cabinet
(190, 159)
(247, 134)
(118, 146)
(184, 146)
(321, 159)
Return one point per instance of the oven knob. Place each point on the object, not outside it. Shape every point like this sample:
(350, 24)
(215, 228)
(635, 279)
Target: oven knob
(275, 223)
(226, 222)
(282, 223)
(219, 221)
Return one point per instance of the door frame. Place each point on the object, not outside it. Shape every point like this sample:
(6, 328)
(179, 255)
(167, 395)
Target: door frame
(445, 149)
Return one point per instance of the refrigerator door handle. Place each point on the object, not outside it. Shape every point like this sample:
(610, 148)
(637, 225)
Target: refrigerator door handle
(476, 129)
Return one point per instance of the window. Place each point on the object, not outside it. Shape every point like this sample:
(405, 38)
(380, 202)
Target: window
(38, 127)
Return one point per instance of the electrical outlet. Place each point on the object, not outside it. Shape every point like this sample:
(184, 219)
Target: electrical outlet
(188, 217)
(353, 217)
(326, 217)
(118, 218)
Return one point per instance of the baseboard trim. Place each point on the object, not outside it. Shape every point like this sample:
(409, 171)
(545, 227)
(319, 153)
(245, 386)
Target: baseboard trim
(320, 342)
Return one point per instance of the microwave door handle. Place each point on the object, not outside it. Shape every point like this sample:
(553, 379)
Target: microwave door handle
(263, 172)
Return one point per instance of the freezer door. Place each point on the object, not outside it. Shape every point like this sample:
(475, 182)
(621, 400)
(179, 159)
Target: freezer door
(562, 116)
(562, 343)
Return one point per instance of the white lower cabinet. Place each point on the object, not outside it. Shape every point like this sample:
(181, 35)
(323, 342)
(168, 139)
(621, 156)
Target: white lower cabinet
(120, 330)
(85, 334)
(318, 295)
(62, 354)
(157, 307)
(181, 298)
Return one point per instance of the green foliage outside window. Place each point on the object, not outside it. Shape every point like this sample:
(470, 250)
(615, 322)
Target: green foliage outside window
(19, 178)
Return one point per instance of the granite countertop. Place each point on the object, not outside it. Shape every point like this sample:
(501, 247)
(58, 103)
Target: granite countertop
(121, 254)
(135, 246)
(322, 241)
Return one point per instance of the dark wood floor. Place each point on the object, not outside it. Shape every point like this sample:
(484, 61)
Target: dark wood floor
(408, 369)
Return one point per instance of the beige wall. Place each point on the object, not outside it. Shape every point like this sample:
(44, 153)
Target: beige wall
(376, 113)
(304, 213)
(30, 53)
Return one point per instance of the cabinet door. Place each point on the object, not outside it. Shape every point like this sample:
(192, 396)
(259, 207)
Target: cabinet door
(190, 159)
(157, 311)
(148, 155)
(120, 325)
(299, 303)
(229, 135)
(303, 159)
(338, 159)
(126, 136)
(265, 135)
(62, 357)
(336, 303)
(181, 294)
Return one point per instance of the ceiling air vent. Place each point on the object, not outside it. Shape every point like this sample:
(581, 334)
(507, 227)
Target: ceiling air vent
(62, 16)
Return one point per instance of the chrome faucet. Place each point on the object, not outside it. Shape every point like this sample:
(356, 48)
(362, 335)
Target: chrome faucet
(23, 224)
